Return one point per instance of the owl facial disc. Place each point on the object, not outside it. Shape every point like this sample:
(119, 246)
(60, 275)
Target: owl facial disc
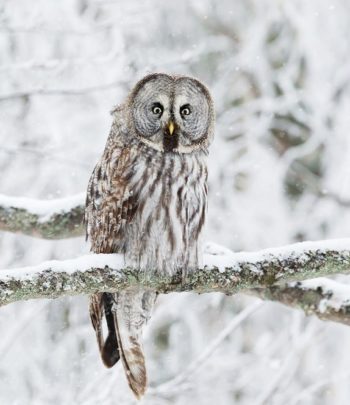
(172, 113)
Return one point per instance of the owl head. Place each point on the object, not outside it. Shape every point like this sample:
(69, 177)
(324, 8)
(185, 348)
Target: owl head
(171, 113)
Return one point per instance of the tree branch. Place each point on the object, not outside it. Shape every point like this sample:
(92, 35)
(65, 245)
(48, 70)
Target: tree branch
(327, 299)
(223, 272)
(253, 273)
(59, 92)
(51, 219)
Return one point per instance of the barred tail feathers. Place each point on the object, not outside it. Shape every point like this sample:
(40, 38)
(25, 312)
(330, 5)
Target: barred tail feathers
(132, 310)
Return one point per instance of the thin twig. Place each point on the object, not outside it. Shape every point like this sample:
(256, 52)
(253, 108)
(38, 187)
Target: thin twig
(196, 364)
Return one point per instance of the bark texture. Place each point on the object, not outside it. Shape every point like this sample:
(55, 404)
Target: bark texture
(53, 219)
(260, 273)
(273, 274)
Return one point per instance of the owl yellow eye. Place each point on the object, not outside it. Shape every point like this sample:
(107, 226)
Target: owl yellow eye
(185, 110)
(157, 109)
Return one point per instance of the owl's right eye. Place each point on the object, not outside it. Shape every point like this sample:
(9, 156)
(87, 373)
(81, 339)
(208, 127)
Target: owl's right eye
(157, 109)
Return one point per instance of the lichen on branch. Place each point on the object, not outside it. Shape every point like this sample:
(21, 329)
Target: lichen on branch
(261, 273)
(51, 219)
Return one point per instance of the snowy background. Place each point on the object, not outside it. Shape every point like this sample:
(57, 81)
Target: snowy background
(279, 173)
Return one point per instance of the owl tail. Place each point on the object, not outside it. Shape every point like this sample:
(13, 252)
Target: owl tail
(131, 311)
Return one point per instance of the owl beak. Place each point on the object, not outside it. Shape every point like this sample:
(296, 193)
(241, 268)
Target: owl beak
(171, 127)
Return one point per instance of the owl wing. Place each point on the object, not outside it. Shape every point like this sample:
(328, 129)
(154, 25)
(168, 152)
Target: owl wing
(110, 207)
(110, 204)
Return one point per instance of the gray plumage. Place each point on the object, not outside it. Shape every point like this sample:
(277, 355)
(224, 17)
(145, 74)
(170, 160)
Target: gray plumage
(147, 199)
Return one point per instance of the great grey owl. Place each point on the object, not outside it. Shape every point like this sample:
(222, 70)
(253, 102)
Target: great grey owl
(147, 199)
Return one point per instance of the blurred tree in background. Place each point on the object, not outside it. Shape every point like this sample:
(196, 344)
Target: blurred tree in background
(279, 172)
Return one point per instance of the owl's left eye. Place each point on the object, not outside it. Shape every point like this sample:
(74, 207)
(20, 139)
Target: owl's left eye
(185, 110)
(157, 109)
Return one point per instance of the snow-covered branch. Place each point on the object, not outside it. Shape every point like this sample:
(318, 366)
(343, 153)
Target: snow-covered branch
(327, 299)
(256, 273)
(50, 219)
(224, 272)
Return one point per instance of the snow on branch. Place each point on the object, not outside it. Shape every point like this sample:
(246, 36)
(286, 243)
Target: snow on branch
(50, 219)
(262, 274)
(327, 299)
(224, 271)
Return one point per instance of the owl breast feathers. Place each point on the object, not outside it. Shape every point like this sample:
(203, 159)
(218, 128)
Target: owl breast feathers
(147, 199)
